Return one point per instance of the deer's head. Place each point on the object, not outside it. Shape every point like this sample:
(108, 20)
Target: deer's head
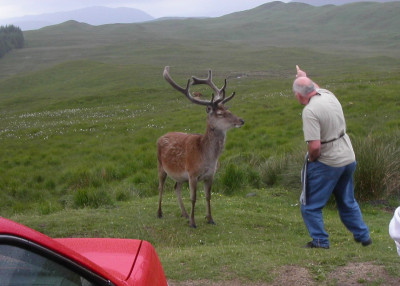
(219, 117)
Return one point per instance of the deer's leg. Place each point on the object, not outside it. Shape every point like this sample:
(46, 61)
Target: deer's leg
(193, 195)
(178, 187)
(162, 176)
(207, 191)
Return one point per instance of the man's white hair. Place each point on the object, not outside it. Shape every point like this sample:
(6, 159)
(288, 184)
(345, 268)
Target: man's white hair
(303, 86)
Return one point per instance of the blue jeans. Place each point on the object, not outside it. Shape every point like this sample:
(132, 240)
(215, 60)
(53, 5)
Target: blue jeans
(322, 181)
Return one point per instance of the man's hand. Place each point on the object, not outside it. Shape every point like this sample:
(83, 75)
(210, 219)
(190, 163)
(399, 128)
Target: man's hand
(300, 72)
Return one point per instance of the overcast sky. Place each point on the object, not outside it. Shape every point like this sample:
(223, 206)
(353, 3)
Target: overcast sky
(155, 8)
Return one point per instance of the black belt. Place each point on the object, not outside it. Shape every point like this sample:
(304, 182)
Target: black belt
(329, 141)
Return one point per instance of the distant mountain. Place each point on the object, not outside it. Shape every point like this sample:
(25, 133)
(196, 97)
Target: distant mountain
(247, 39)
(357, 27)
(336, 2)
(92, 15)
(102, 15)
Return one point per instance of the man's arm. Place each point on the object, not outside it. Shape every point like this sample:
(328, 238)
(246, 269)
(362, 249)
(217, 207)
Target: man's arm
(314, 150)
(301, 73)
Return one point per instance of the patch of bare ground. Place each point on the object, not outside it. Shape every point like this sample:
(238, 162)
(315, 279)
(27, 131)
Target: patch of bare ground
(365, 273)
(361, 274)
(213, 283)
(292, 275)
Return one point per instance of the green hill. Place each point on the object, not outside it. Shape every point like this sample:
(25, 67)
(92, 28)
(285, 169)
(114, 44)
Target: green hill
(243, 39)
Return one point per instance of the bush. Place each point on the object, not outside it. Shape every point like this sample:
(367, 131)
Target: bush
(272, 170)
(232, 179)
(284, 170)
(378, 170)
(11, 37)
(377, 175)
(92, 197)
(238, 173)
(48, 207)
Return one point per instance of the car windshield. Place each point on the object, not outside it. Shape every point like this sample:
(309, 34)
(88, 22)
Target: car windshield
(19, 266)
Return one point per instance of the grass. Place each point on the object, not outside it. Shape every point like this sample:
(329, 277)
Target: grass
(378, 175)
(110, 139)
(254, 235)
(80, 115)
(84, 164)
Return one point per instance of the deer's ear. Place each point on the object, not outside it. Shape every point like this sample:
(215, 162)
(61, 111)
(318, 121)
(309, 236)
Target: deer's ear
(209, 109)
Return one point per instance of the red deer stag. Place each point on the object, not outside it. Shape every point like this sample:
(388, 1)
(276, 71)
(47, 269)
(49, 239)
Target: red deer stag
(194, 157)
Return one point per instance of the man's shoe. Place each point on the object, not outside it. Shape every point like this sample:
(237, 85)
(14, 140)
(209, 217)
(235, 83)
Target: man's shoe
(365, 242)
(312, 245)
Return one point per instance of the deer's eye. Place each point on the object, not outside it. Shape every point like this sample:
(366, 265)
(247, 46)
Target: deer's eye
(220, 114)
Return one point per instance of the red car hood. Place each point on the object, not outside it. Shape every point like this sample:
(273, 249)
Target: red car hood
(116, 256)
(128, 261)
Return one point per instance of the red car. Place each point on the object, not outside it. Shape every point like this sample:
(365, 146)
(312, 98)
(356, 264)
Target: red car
(28, 257)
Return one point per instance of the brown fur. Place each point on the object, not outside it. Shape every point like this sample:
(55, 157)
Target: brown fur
(194, 157)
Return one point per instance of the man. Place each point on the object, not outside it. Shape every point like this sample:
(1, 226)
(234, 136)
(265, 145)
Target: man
(394, 229)
(330, 163)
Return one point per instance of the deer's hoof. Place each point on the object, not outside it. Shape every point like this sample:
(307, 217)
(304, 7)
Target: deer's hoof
(159, 214)
(193, 226)
(210, 220)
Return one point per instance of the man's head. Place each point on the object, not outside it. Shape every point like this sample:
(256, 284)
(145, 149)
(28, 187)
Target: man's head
(304, 89)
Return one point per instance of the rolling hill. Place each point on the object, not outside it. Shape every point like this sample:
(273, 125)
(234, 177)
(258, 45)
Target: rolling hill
(91, 15)
(336, 2)
(354, 30)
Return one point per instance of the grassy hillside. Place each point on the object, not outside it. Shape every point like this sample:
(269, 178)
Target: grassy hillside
(81, 108)
(238, 42)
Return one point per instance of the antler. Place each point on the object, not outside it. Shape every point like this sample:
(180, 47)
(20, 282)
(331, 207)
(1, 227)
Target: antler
(185, 91)
(208, 81)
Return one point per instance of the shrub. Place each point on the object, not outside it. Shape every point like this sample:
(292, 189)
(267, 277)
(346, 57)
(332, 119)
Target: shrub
(92, 197)
(232, 179)
(272, 169)
(48, 207)
(238, 172)
(378, 170)
(377, 175)
(284, 170)
(123, 195)
(11, 37)
(291, 178)
(253, 178)
(82, 178)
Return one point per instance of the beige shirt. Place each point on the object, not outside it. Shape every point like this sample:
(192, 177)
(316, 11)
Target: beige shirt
(323, 120)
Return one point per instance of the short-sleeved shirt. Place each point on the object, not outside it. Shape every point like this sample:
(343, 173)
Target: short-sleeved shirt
(323, 120)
